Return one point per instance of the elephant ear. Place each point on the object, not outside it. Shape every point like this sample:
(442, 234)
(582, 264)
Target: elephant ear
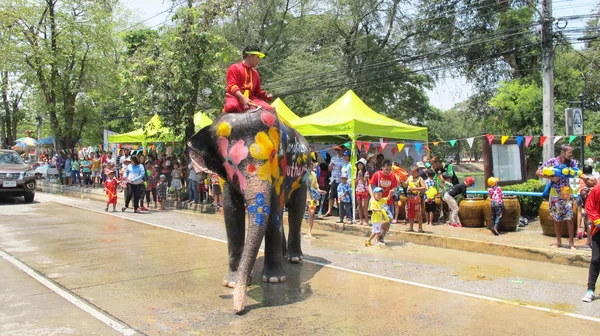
(204, 152)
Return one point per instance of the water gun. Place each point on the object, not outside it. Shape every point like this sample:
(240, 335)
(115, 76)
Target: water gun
(431, 193)
(561, 171)
(401, 174)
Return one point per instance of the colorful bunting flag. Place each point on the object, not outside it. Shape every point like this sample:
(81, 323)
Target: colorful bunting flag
(427, 148)
(490, 138)
(359, 145)
(383, 143)
(557, 139)
(588, 138)
(367, 145)
(503, 139)
(324, 154)
(470, 142)
(452, 142)
(418, 147)
(407, 150)
(348, 145)
(528, 140)
(571, 138)
(393, 151)
(435, 143)
(400, 146)
(379, 150)
(519, 140)
(542, 140)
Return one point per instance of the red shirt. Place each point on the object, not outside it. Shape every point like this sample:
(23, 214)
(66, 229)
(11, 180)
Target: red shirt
(386, 183)
(243, 78)
(592, 208)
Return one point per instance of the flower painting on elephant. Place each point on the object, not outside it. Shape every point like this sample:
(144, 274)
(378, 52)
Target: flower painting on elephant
(264, 164)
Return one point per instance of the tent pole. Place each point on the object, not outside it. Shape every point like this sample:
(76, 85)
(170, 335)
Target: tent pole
(353, 177)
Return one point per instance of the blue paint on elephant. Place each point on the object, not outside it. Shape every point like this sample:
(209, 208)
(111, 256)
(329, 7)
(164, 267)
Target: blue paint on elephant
(260, 210)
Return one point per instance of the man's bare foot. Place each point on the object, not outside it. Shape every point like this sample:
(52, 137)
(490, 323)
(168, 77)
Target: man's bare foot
(572, 247)
(556, 245)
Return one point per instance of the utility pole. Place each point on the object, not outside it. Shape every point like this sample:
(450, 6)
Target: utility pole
(582, 162)
(548, 78)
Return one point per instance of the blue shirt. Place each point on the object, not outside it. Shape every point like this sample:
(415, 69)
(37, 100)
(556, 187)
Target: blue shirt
(68, 164)
(345, 188)
(135, 174)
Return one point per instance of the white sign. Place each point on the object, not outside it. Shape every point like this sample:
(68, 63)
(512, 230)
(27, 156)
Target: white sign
(577, 121)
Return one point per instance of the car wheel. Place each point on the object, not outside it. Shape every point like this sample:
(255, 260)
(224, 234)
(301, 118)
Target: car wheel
(29, 197)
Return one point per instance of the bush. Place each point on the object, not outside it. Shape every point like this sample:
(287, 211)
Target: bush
(530, 205)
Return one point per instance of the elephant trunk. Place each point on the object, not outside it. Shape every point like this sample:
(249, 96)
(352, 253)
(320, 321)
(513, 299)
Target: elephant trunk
(254, 238)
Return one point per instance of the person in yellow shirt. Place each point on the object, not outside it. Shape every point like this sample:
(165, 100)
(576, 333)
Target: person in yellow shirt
(379, 216)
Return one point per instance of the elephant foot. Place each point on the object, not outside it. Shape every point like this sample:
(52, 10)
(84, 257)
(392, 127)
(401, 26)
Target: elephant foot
(273, 275)
(295, 257)
(231, 278)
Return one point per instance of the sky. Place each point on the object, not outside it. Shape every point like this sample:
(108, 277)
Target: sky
(446, 93)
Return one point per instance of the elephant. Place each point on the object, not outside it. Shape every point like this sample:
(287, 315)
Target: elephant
(263, 162)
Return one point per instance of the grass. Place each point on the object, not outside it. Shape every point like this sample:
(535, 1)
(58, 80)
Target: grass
(470, 174)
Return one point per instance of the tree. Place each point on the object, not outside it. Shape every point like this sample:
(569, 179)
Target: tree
(67, 47)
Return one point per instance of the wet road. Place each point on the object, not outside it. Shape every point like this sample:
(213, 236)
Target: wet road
(159, 281)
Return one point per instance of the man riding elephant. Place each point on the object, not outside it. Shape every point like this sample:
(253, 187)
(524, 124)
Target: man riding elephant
(243, 84)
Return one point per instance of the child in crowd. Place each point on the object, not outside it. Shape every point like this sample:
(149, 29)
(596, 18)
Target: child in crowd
(75, 173)
(176, 181)
(497, 204)
(201, 177)
(430, 196)
(110, 188)
(587, 170)
(584, 192)
(344, 191)
(314, 194)
(216, 189)
(362, 191)
(161, 189)
(86, 169)
(166, 169)
(414, 186)
(450, 198)
(379, 216)
(152, 175)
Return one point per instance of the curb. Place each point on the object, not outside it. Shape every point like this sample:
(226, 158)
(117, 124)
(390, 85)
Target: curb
(427, 239)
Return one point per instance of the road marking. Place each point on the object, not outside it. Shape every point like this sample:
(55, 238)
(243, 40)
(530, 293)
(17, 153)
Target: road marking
(71, 297)
(406, 282)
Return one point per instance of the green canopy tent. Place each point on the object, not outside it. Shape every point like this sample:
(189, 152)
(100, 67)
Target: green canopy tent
(350, 118)
(283, 111)
(154, 131)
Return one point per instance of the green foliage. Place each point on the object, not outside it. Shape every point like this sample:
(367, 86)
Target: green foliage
(530, 205)
(456, 123)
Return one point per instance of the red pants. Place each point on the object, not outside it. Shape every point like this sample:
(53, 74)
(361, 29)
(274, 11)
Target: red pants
(233, 105)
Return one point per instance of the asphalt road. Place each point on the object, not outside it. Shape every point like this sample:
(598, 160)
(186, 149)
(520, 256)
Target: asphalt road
(160, 274)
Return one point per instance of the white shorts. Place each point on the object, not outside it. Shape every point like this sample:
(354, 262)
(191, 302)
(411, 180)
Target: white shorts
(376, 228)
(96, 173)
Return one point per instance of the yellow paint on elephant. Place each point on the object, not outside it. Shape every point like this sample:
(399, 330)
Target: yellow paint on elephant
(277, 182)
(301, 158)
(296, 185)
(266, 148)
(224, 129)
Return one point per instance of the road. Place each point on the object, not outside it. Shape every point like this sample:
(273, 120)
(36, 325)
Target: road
(96, 273)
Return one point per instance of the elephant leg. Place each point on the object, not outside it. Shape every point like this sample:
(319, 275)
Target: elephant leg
(234, 213)
(274, 244)
(296, 206)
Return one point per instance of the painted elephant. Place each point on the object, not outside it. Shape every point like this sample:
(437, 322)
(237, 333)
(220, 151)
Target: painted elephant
(264, 163)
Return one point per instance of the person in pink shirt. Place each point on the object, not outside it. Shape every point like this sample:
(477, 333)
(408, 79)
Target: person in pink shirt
(497, 204)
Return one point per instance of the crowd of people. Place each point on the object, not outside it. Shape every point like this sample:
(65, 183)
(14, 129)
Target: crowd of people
(145, 180)
(379, 187)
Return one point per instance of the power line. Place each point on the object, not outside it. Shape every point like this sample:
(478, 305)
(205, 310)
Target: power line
(152, 17)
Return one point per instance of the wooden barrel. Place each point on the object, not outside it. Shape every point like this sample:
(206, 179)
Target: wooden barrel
(470, 212)
(510, 215)
(548, 224)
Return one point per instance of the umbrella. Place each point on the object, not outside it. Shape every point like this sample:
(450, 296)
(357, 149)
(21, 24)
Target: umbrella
(46, 141)
(26, 142)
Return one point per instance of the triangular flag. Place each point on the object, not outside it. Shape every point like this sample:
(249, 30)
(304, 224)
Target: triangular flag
(348, 145)
(452, 142)
(470, 142)
(557, 139)
(571, 138)
(503, 139)
(490, 138)
(542, 140)
(400, 146)
(435, 143)
(324, 154)
(528, 140)
(427, 148)
(359, 145)
(519, 140)
(393, 151)
(379, 150)
(418, 147)
(383, 143)
(588, 138)
(367, 145)
(407, 150)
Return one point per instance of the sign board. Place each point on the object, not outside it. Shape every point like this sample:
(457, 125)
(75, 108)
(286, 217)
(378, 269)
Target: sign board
(577, 121)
